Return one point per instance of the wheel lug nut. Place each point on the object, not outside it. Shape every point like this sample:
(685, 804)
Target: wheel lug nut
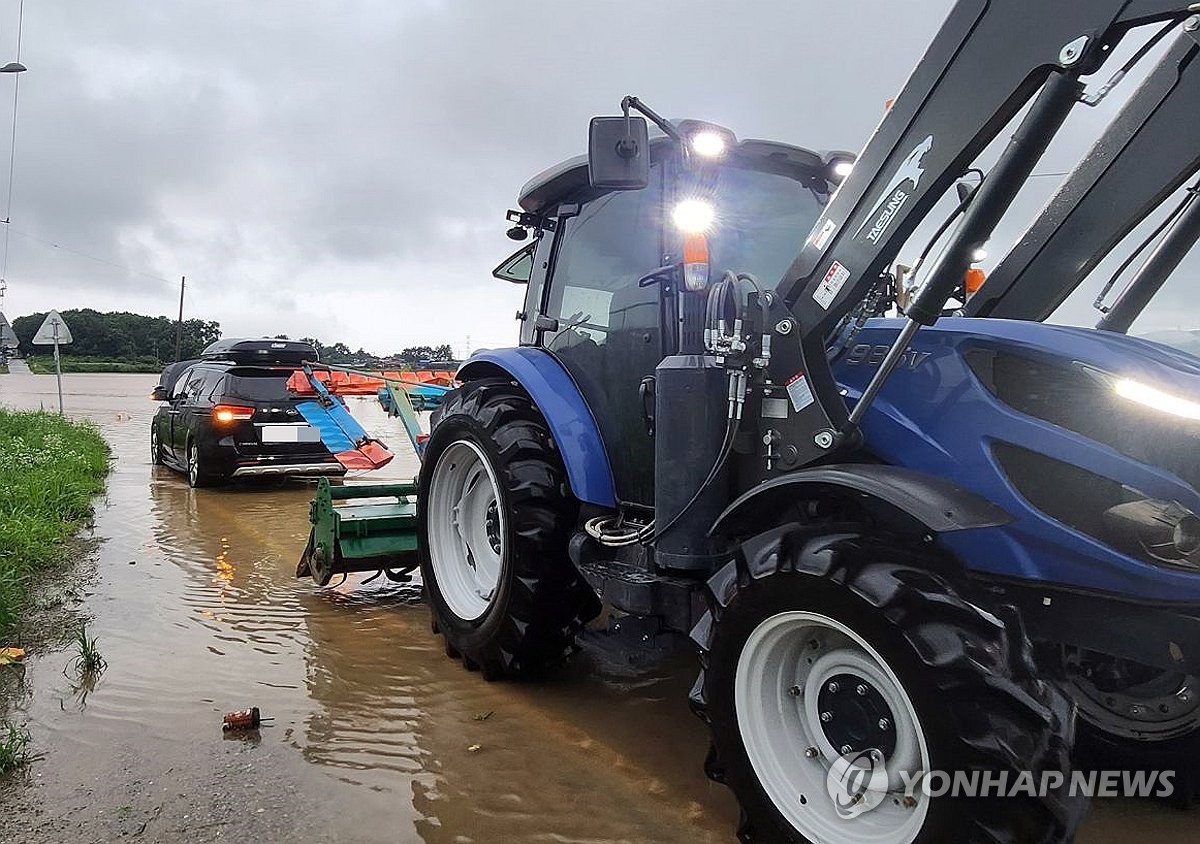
(884, 723)
(794, 691)
(862, 689)
(826, 717)
(811, 753)
(833, 688)
(1135, 710)
(845, 748)
(813, 644)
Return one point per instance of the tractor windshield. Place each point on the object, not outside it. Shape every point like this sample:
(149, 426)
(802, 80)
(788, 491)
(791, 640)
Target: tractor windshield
(760, 218)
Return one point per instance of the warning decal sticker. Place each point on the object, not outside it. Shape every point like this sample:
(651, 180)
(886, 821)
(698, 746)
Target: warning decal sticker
(831, 285)
(826, 232)
(799, 391)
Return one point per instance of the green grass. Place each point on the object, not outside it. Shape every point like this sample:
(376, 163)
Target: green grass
(50, 469)
(14, 746)
(88, 662)
(44, 364)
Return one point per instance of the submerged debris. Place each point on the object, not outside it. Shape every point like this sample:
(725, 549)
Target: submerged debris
(243, 719)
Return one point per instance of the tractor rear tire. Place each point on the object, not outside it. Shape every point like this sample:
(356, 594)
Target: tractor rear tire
(886, 667)
(495, 515)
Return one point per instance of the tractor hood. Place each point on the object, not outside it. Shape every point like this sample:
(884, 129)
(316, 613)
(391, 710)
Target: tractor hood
(1100, 352)
(1059, 426)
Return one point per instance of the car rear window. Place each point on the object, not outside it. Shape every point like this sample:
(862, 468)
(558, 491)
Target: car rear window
(257, 385)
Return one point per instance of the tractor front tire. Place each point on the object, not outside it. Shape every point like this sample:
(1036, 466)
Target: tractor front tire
(833, 663)
(1136, 718)
(495, 515)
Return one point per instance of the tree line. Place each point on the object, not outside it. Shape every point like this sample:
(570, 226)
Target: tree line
(120, 335)
(123, 336)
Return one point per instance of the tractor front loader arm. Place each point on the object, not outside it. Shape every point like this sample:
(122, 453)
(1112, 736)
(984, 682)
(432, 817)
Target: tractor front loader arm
(1149, 150)
(988, 61)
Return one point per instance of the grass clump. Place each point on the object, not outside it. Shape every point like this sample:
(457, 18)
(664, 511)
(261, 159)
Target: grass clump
(14, 746)
(50, 469)
(88, 662)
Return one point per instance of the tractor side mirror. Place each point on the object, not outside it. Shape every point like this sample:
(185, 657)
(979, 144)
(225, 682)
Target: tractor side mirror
(618, 153)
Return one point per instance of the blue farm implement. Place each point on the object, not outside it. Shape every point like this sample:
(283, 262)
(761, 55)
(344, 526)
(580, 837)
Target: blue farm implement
(368, 527)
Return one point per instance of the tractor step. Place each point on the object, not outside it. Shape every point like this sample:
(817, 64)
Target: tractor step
(678, 602)
(378, 533)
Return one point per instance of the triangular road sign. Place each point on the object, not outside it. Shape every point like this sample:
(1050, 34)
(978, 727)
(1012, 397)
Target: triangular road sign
(53, 324)
(8, 340)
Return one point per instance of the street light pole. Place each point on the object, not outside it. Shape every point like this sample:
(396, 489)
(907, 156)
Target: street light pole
(12, 67)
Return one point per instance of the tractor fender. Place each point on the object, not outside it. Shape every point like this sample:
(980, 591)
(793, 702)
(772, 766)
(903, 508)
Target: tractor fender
(904, 497)
(566, 413)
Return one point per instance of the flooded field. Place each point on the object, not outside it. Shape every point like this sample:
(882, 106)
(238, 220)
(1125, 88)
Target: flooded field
(376, 735)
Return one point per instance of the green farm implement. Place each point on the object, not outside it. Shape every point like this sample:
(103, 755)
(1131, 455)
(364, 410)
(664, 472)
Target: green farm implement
(377, 532)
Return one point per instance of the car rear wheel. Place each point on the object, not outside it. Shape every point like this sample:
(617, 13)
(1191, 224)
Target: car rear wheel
(156, 456)
(197, 473)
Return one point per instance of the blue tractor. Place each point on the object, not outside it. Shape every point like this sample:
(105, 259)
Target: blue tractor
(904, 545)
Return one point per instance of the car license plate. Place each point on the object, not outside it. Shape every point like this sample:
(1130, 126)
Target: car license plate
(289, 434)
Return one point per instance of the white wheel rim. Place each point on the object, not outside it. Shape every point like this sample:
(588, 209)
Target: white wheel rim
(193, 463)
(153, 445)
(780, 674)
(466, 529)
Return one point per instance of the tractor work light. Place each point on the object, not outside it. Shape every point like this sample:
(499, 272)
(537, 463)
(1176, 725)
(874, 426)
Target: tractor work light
(1156, 399)
(838, 165)
(693, 216)
(695, 262)
(708, 144)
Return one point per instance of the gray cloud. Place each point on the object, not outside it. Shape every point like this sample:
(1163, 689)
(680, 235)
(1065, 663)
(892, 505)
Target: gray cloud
(296, 159)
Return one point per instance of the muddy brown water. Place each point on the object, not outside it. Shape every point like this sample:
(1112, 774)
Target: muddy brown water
(376, 735)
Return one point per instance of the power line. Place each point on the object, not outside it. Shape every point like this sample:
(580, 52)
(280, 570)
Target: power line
(98, 260)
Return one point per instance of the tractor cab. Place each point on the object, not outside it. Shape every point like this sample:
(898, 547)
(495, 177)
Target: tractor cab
(617, 278)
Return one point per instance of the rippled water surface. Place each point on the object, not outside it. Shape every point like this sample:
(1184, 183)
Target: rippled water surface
(198, 612)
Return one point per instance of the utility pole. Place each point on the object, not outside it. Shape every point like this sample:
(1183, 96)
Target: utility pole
(179, 323)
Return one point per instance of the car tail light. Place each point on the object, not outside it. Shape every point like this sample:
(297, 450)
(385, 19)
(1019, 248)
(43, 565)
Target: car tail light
(225, 414)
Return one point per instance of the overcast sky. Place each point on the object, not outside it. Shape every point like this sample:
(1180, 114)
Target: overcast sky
(341, 169)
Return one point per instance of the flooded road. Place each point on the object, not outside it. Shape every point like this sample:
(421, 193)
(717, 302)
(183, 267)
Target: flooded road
(197, 611)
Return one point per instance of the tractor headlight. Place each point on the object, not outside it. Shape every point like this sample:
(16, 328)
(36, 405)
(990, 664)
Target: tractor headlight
(693, 216)
(1156, 399)
(708, 144)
